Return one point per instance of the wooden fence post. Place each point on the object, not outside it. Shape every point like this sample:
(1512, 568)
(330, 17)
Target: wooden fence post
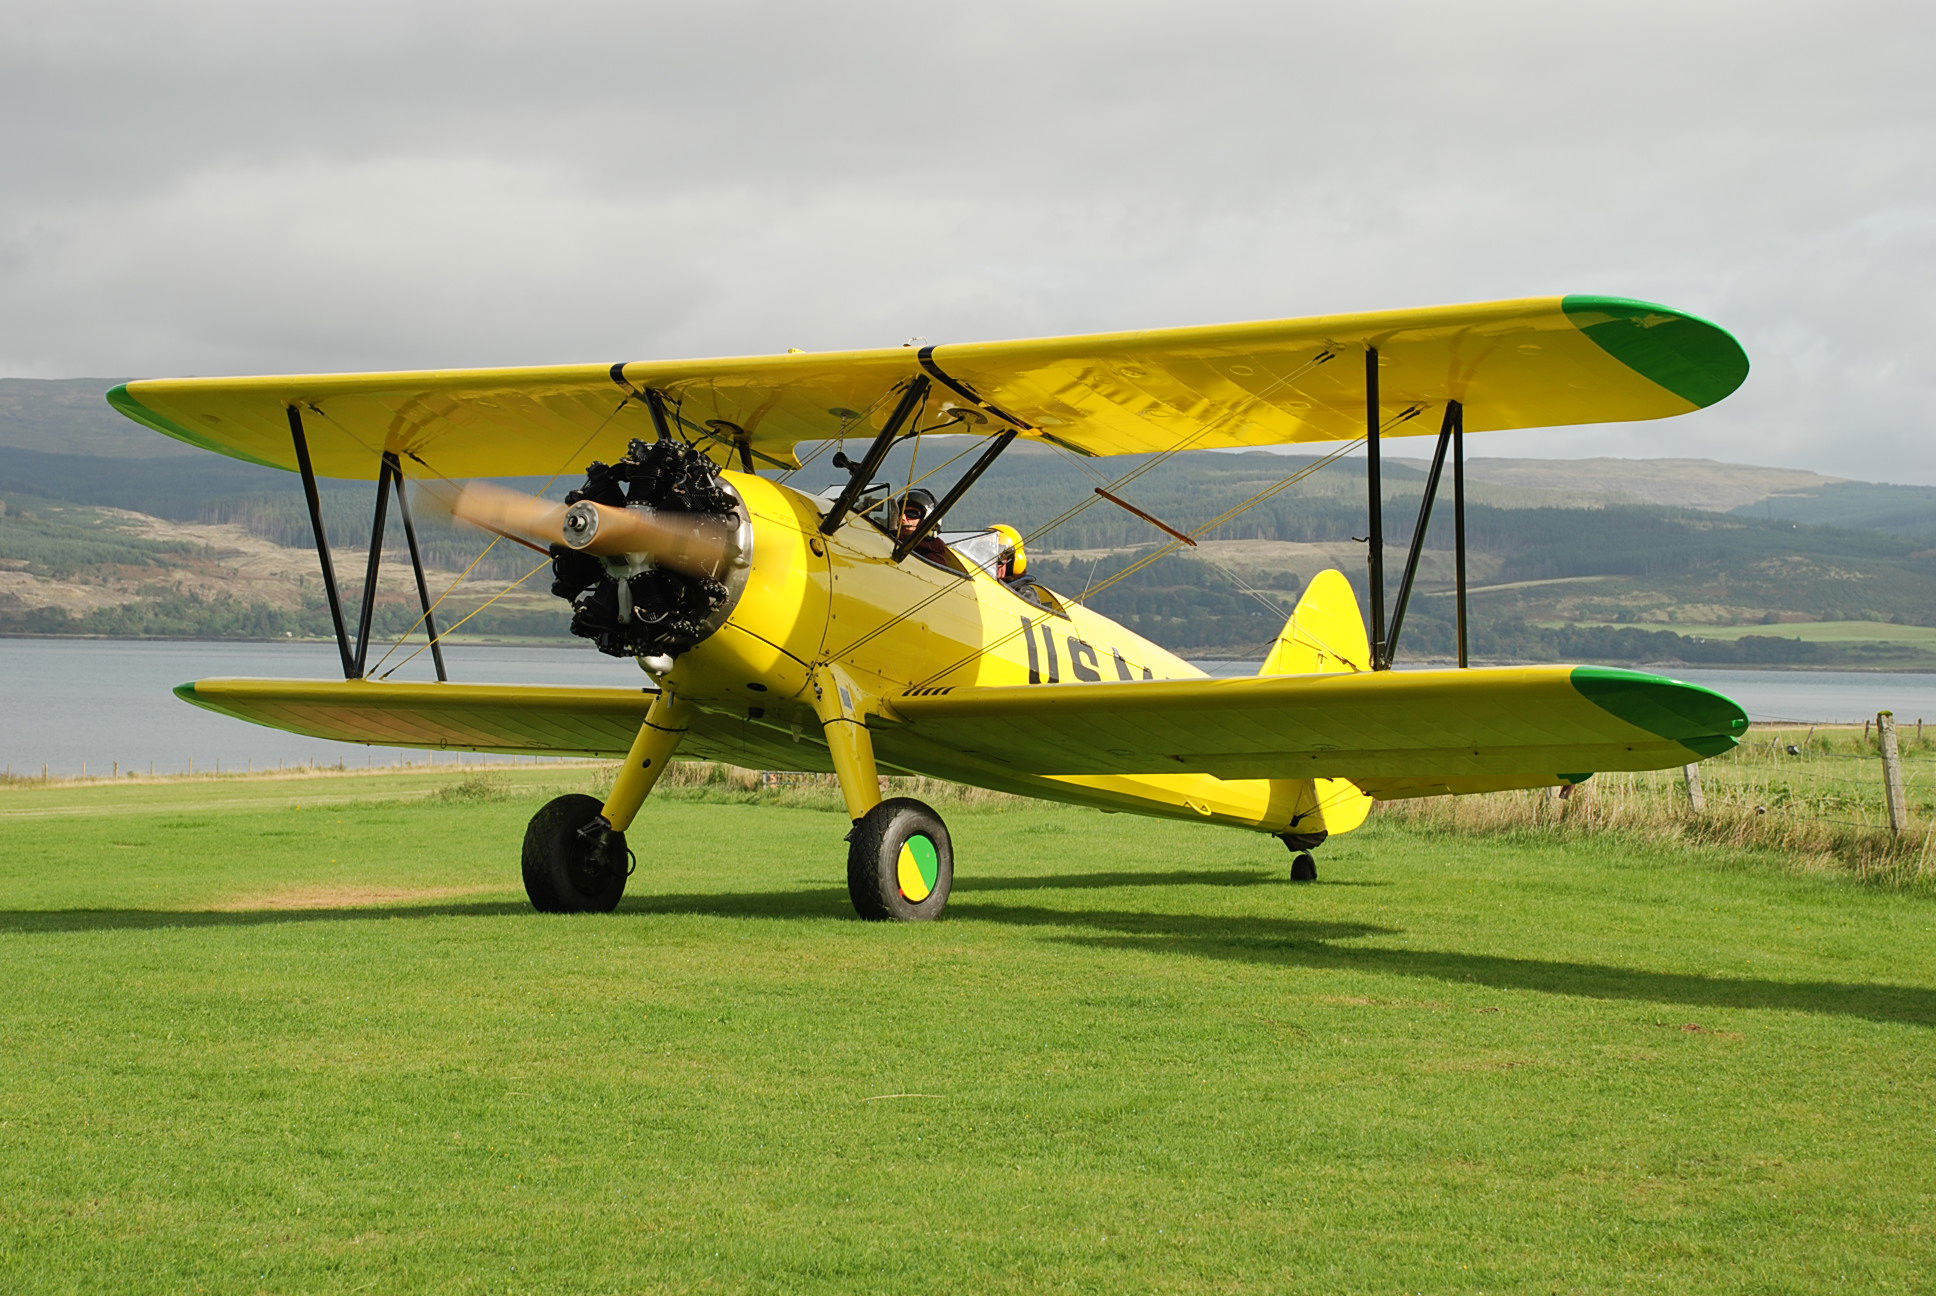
(1892, 772)
(1695, 797)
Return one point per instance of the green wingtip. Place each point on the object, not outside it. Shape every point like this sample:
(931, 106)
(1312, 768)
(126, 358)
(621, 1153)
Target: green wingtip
(1703, 721)
(124, 401)
(186, 692)
(1697, 360)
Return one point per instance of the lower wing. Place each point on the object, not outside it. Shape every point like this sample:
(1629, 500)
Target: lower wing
(1394, 733)
(516, 719)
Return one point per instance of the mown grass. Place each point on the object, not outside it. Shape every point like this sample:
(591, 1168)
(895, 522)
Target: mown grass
(279, 1042)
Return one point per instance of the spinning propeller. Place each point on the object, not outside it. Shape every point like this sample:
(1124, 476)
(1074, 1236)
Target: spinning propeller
(695, 543)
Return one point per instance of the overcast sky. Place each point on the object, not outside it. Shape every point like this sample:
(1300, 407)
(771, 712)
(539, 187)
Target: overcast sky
(201, 188)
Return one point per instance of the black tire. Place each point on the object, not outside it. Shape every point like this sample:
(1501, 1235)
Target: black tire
(1304, 868)
(566, 871)
(874, 873)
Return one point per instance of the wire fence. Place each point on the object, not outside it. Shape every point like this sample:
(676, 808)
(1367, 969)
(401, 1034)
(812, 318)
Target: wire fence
(1819, 794)
(1827, 774)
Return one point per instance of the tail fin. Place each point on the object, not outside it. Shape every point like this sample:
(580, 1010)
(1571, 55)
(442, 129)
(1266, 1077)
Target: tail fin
(1326, 632)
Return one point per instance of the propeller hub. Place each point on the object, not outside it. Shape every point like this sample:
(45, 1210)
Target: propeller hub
(580, 524)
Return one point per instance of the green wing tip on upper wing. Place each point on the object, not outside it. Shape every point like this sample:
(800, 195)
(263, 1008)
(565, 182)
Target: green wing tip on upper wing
(1703, 721)
(186, 692)
(124, 401)
(1696, 360)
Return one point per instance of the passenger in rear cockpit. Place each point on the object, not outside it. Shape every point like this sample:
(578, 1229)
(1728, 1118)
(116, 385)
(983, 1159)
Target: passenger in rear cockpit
(1011, 566)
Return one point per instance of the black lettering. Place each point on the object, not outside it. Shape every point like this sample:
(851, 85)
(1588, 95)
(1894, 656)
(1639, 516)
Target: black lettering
(1035, 664)
(1122, 664)
(1055, 667)
(1084, 669)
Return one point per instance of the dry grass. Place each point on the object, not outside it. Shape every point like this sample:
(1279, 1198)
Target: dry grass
(342, 768)
(1811, 797)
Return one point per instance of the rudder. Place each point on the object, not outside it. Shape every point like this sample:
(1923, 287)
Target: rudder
(1326, 632)
(1325, 636)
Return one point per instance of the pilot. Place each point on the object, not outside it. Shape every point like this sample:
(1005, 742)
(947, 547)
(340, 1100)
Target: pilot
(915, 507)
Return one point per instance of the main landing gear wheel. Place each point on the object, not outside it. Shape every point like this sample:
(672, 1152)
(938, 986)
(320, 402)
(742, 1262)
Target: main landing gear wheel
(900, 863)
(568, 869)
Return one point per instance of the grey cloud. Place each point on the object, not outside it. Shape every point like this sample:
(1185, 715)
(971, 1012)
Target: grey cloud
(210, 188)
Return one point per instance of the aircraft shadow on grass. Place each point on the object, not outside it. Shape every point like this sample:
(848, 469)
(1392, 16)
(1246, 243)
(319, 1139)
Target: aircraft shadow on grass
(1270, 941)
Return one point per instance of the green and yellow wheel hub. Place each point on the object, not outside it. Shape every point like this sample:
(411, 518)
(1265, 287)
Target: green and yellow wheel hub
(918, 869)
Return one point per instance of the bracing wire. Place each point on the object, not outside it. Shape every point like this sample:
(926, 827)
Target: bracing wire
(463, 575)
(1272, 388)
(479, 608)
(1161, 551)
(1230, 514)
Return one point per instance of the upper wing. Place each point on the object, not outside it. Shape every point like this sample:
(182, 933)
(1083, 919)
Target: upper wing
(1537, 362)
(1395, 733)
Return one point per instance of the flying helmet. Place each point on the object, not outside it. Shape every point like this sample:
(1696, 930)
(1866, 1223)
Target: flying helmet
(1012, 540)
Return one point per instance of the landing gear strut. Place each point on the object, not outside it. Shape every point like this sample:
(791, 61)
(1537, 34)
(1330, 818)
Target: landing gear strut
(900, 862)
(575, 859)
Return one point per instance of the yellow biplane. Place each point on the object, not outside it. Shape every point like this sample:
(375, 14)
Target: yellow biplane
(786, 630)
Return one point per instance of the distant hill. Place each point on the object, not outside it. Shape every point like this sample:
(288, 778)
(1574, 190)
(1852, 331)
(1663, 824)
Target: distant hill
(1676, 483)
(1900, 510)
(72, 416)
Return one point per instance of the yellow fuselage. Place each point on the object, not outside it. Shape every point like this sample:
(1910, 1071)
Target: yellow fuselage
(825, 612)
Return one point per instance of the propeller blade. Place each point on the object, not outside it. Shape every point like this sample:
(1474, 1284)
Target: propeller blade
(696, 544)
(506, 512)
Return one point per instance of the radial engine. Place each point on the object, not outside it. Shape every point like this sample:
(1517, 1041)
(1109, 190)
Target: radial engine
(655, 552)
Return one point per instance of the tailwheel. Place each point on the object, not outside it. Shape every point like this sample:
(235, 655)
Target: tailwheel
(572, 862)
(900, 862)
(1304, 865)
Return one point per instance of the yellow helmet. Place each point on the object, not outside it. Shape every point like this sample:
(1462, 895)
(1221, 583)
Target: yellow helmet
(1012, 539)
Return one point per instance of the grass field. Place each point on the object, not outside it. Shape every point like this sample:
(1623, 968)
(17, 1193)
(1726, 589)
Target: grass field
(305, 1035)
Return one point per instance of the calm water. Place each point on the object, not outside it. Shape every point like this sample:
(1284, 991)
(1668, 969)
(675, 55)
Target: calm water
(69, 703)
